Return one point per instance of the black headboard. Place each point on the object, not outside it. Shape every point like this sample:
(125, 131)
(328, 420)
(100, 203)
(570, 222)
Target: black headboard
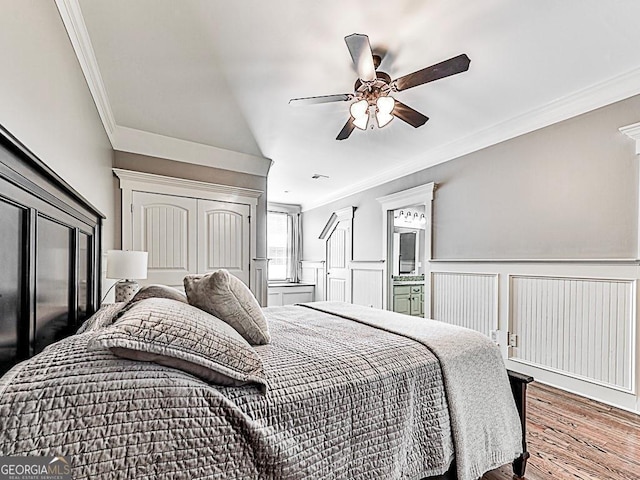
(49, 254)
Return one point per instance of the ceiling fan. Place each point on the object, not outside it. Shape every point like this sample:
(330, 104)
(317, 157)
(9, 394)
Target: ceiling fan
(373, 89)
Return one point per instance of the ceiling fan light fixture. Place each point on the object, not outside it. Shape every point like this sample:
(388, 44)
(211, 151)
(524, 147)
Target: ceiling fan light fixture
(385, 107)
(385, 104)
(383, 118)
(359, 109)
(361, 122)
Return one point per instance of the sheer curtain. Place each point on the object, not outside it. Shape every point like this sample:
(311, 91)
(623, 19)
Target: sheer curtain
(281, 268)
(295, 242)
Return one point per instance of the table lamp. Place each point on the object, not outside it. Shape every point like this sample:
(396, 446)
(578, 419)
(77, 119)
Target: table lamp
(126, 266)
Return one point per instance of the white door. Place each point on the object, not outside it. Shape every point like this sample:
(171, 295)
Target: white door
(165, 226)
(223, 238)
(339, 245)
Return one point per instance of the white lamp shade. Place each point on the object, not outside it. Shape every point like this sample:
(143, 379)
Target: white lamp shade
(126, 264)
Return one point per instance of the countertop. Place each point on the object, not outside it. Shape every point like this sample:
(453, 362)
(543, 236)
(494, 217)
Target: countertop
(408, 280)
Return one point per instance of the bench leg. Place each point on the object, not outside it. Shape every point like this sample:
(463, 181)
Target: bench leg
(519, 384)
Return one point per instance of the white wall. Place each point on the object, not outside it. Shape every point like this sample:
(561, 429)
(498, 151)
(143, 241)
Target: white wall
(46, 104)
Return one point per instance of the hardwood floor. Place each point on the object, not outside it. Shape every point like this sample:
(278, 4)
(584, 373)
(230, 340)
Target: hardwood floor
(570, 437)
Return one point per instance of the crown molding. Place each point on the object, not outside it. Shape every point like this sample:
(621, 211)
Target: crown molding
(73, 21)
(137, 141)
(596, 96)
(146, 143)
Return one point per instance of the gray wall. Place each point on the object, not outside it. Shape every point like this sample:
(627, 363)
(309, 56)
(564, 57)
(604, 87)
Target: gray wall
(170, 168)
(46, 104)
(567, 191)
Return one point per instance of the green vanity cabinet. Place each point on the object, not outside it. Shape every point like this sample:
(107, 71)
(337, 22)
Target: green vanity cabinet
(409, 299)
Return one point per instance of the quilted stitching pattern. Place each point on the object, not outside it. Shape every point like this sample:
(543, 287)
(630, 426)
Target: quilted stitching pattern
(225, 296)
(104, 317)
(178, 335)
(345, 401)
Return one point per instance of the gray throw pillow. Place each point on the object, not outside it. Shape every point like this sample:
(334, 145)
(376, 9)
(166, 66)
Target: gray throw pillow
(159, 291)
(225, 296)
(180, 336)
(104, 317)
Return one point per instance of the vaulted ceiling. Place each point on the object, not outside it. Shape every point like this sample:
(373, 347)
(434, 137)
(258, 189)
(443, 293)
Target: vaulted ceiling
(219, 73)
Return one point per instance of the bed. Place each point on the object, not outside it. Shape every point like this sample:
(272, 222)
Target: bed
(344, 392)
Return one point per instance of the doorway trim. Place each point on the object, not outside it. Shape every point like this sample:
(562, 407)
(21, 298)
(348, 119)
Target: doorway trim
(420, 195)
(335, 218)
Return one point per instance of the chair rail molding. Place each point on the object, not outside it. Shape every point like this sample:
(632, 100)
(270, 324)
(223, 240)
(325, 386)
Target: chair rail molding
(420, 195)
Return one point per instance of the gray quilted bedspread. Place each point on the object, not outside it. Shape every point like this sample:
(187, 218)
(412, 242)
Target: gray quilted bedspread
(345, 400)
(484, 421)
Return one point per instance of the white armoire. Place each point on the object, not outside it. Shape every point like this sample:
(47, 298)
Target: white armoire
(191, 227)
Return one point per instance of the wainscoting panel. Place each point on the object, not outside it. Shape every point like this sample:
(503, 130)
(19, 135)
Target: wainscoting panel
(313, 272)
(337, 289)
(465, 299)
(259, 280)
(581, 327)
(367, 283)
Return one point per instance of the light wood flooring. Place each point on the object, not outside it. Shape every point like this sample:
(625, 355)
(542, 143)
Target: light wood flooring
(571, 437)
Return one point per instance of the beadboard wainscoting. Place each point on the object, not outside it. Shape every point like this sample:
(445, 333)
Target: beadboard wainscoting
(260, 279)
(314, 272)
(583, 327)
(466, 299)
(569, 324)
(367, 280)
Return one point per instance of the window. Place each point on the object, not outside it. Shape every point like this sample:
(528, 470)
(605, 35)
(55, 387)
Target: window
(278, 245)
(283, 242)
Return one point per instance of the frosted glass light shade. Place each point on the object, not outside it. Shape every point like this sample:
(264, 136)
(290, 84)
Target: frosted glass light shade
(359, 109)
(126, 264)
(361, 122)
(383, 119)
(385, 104)
(385, 107)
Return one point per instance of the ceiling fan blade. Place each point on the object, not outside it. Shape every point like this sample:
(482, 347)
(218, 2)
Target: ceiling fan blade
(409, 115)
(360, 50)
(343, 97)
(440, 70)
(346, 130)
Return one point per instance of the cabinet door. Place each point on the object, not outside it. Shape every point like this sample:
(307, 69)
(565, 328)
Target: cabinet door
(166, 227)
(416, 304)
(401, 304)
(223, 238)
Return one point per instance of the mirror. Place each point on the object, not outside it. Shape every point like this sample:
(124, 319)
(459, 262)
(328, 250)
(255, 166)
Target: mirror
(408, 234)
(407, 254)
